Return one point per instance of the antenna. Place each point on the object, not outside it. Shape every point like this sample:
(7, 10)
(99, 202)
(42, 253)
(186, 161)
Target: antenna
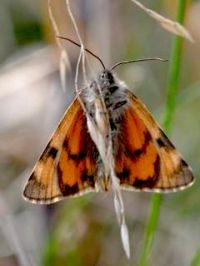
(87, 50)
(139, 60)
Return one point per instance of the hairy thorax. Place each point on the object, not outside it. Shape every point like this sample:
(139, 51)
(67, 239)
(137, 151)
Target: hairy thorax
(105, 97)
(104, 102)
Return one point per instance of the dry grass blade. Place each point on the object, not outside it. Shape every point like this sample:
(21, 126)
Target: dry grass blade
(63, 66)
(168, 24)
(64, 61)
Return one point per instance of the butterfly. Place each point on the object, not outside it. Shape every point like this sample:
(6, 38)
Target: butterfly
(106, 128)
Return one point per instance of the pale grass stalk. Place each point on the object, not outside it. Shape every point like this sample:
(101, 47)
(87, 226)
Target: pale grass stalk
(106, 152)
(64, 61)
(168, 24)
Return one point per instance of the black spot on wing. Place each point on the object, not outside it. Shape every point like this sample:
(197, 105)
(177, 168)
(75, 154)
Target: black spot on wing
(70, 190)
(186, 172)
(146, 183)
(163, 141)
(51, 152)
(65, 189)
(150, 181)
(74, 156)
(89, 179)
(123, 175)
(183, 163)
(134, 155)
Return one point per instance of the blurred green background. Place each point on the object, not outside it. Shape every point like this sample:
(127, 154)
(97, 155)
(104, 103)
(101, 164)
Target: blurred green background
(84, 231)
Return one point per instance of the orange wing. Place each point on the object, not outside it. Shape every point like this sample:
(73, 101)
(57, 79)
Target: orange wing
(67, 166)
(145, 157)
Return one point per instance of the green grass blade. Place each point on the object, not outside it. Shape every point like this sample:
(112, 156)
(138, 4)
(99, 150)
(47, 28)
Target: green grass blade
(196, 259)
(172, 90)
(174, 71)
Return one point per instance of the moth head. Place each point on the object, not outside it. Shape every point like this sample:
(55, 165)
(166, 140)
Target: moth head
(105, 79)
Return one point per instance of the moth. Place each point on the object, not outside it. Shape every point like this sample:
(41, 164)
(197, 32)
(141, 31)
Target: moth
(106, 131)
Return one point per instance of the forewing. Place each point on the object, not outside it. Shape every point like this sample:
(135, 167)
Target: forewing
(145, 158)
(67, 167)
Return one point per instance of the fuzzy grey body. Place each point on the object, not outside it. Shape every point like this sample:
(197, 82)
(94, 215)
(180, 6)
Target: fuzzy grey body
(104, 102)
(109, 89)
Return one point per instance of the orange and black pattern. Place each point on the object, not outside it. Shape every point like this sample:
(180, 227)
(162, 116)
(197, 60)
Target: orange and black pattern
(144, 157)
